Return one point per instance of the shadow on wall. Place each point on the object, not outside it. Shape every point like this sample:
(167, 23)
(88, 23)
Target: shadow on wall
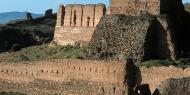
(133, 79)
(156, 46)
(180, 19)
(156, 92)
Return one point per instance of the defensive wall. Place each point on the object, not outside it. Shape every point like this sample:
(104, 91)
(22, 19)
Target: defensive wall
(138, 7)
(77, 22)
(108, 73)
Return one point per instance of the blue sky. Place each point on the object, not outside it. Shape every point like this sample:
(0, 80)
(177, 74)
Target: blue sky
(39, 6)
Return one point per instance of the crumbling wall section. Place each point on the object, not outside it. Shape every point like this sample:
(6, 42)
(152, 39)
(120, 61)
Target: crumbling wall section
(60, 16)
(134, 7)
(88, 15)
(77, 13)
(68, 15)
(100, 11)
(140, 37)
(76, 23)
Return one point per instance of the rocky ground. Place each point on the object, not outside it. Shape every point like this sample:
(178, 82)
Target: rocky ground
(43, 87)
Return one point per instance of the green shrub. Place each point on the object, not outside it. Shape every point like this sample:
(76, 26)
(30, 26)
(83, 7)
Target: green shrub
(183, 62)
(22, 57)
(156, 63)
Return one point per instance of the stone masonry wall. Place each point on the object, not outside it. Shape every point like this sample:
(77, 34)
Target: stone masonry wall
(88, 15)
(134, 7)
(75, 35)
(60, 15)
(105, 72)
(67, 18)
(141, 37)
(108, 73)
(76, 20)
(100, 11)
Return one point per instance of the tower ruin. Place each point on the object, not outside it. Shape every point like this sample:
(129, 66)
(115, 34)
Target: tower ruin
(76, 23)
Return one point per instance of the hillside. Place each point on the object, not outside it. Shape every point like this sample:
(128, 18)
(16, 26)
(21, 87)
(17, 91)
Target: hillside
(43, 52)
(19, 34)
(187, 7)
(9, 16)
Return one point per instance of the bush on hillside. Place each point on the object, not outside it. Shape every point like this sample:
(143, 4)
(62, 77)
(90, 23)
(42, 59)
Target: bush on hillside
(15, 47)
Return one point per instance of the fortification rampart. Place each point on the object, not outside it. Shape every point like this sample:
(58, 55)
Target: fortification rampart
(103, 72)
(64, 70)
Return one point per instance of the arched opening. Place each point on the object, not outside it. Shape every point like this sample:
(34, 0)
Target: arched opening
(88, 21)
(74, 18)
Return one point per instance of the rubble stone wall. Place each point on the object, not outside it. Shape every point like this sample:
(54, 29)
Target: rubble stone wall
(140, 37)
(134, 8)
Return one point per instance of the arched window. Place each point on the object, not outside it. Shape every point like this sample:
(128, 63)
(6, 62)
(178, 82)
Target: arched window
(88, 21)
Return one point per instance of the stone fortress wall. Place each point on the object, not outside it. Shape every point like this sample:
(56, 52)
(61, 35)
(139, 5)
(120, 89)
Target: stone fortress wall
(76, 23)
(134, 7)
(65, 70)
(108, 73)
(138, 7)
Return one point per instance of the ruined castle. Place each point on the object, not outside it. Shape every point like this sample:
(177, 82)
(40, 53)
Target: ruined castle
(76, 23)
(129, 33)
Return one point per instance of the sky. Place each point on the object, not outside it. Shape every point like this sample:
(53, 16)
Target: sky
(39, 6)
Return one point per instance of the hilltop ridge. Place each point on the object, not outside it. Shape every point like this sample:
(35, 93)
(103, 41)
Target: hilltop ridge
(24, 33)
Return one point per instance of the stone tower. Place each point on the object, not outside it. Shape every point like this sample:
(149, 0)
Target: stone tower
(76, 23)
